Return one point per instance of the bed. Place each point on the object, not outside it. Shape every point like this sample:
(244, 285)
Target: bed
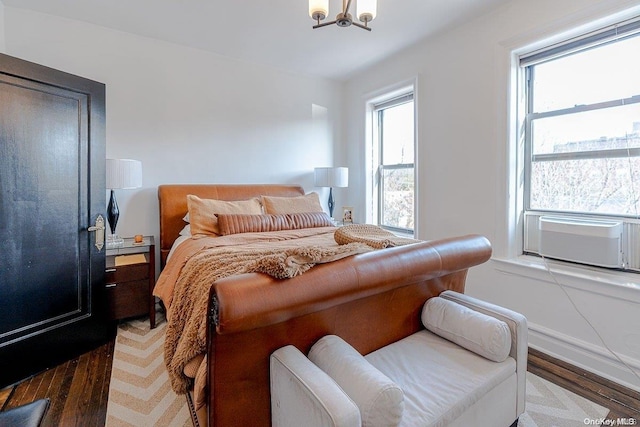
(368, 297)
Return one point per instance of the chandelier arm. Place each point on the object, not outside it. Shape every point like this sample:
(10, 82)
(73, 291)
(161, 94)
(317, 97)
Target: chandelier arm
(364, 27)
(324, 24)
(346, 4)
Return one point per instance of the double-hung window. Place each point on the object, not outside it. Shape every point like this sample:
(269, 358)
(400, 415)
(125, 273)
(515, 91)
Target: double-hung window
(582, 143)
(395, 187)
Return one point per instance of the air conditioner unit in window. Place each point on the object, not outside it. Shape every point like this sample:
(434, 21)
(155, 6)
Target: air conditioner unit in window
(591, 242)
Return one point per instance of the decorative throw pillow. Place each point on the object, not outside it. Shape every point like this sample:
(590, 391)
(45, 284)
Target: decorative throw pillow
(242, 223)
(475, 331)
(202, 212)
(380, 400)
(299, 204)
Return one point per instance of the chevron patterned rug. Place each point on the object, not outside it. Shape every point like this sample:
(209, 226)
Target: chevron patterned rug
(140, 394)
(549, 405)
(139, 391)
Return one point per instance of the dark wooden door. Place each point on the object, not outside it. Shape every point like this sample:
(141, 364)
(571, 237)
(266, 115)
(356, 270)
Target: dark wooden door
(52, 189)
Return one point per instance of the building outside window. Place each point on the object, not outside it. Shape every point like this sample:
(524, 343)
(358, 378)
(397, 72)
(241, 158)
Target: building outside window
(582, 133)
(394, 198)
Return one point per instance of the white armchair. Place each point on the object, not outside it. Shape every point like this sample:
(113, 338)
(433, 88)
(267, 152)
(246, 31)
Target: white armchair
(474, 376)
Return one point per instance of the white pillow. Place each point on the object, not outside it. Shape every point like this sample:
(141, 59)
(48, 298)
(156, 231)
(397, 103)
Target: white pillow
(186, 230)
(380, 400)
(475, 331)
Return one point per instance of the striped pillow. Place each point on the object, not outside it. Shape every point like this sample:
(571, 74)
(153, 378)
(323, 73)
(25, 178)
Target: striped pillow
(242, 223)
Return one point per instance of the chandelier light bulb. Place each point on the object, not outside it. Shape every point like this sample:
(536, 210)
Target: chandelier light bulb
(367, 10)
(318, 9)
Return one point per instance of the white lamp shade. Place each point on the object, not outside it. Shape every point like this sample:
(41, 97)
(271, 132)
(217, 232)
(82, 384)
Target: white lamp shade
(318, 8)
(124, 173)
(367, 10)
(331, 177)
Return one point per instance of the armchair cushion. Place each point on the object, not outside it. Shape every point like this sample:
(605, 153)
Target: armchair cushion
(484, 335)
(302, 394)
(380, 400)
(442, 380)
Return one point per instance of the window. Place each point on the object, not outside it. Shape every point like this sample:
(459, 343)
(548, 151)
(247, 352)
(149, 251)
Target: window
(395, 189)
(582, 134)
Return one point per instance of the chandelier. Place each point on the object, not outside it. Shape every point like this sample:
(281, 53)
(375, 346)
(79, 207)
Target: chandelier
(366, 12)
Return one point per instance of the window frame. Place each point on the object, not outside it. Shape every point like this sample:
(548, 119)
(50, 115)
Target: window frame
(525, 64)
(379, 167)
(530, 158)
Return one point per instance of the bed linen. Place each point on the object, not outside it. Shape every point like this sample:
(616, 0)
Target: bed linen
(179, 240)
(186, 246)
(185, 282)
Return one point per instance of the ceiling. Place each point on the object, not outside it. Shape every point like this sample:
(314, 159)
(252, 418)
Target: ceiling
(277, 33)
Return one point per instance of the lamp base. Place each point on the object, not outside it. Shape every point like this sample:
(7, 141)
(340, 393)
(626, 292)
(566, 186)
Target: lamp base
(330, 203)
(114, 241)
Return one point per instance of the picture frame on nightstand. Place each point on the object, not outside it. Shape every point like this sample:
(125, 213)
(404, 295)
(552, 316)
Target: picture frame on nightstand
(347, 215)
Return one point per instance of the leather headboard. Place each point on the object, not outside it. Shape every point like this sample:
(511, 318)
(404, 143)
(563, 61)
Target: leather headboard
(173, 204)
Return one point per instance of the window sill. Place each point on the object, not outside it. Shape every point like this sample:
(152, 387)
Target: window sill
(613, 284)
(406, 235)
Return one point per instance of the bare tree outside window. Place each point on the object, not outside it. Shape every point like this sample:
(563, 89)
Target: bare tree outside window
(396, 185)
(583, 131)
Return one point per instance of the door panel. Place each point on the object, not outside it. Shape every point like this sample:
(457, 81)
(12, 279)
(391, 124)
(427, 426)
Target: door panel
(51, 189)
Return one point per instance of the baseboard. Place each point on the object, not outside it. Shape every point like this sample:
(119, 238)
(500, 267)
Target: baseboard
(592, 358)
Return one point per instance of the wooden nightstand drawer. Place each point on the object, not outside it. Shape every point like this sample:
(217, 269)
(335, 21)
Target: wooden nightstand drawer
(126, 273)
(130, 275)
(127, 299)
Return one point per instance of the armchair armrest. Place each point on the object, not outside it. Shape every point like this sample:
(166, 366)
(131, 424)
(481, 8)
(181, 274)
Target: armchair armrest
(303, 394)
(517, 324)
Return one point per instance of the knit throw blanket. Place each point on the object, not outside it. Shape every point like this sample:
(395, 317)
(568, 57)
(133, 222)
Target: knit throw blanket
(187, 330)
(371, 235)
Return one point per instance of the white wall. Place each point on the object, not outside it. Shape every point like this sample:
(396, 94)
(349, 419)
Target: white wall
(2, 47)
(464, 165)
(188, 115)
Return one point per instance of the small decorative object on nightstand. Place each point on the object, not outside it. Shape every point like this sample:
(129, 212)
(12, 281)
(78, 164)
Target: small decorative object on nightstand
(130, 278)
(347, 215)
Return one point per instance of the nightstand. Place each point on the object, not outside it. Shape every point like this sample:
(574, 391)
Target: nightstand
(130, 276)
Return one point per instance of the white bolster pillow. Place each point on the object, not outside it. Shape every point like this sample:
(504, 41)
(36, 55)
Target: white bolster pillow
(380, 400)
(475, 331)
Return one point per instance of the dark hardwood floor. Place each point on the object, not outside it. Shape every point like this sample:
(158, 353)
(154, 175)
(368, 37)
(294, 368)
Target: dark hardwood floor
(621, 401)
(79, 388)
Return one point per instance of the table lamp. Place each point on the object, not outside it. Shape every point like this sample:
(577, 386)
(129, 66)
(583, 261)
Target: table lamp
(331, 177)
(121, 174)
